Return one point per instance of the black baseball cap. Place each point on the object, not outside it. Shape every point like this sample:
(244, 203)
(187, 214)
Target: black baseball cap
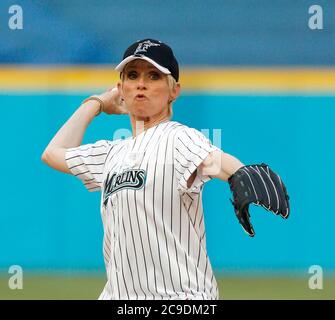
(156, 52)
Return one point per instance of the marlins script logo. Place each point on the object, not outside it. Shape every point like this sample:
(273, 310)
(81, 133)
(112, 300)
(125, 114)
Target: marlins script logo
(130, 179)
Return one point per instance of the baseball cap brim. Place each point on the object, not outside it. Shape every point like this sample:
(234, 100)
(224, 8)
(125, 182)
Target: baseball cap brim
(123, 63)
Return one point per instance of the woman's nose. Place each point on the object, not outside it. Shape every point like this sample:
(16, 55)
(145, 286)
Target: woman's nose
(141, 84)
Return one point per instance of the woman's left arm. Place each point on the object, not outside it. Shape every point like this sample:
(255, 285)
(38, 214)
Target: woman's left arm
(219, 164)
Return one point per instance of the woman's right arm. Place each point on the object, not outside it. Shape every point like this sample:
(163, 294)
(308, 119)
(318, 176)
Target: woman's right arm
(71, 134)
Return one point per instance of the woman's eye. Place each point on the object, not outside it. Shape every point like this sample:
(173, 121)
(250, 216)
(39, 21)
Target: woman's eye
(132, 75)
(154, 76)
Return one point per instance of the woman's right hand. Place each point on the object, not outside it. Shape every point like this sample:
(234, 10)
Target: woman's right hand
(113, 104)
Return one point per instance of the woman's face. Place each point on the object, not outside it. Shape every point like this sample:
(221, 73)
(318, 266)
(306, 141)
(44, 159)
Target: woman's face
(145, 90)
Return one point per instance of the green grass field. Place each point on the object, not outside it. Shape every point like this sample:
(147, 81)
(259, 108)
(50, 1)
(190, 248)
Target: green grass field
(89, 287)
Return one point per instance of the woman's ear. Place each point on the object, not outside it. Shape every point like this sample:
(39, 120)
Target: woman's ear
(175, 92)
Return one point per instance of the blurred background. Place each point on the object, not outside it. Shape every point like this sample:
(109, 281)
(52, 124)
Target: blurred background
(258, 78)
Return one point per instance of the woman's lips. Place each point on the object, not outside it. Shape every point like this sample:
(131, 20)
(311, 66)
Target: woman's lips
(140, 97)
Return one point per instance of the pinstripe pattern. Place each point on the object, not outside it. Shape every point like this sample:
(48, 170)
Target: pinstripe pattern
(154, 235)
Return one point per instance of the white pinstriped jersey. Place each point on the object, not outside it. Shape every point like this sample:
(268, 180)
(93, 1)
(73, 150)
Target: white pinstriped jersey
(154, 233)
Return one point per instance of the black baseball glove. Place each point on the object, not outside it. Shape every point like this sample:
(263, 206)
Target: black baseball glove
(257, 184)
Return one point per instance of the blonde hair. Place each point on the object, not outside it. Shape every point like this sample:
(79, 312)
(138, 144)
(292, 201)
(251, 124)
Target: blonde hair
(172, 85)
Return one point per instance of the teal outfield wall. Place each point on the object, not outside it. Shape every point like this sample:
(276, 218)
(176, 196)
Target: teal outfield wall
(49, 221)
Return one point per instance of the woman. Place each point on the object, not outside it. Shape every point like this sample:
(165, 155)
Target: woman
(151, 200)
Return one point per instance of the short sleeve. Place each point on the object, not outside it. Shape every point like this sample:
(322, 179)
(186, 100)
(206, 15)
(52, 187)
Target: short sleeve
(87, 162)
(191, 148)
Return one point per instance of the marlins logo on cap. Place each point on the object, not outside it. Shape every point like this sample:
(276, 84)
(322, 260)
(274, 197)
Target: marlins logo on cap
(155, 52)
(144, 46)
